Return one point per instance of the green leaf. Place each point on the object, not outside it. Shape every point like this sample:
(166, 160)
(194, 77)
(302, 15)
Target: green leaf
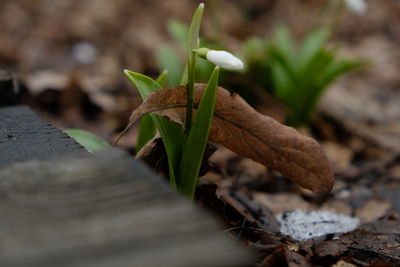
(300, 76)
(284, 41)
(168, 59)
(307, 81)
(178, 30)
(192, 43)
(313, 43)
(144, 84)
(203, 70)
(171, 133)
(325, 76)
(184, 76)
(87, 140)
(195, 145)
(162, 78)
(284, 57)
(193, 32)
(283, 83)
(337, 68)
(147, 129)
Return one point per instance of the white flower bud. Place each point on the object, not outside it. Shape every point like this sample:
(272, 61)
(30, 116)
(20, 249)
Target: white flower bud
(357, 6)
(224, 60)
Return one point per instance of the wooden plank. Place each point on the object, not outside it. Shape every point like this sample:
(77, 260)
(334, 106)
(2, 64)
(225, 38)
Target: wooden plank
(103, 209)
(24, 135)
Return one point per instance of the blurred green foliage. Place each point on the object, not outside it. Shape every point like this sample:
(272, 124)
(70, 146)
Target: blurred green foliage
(297, 75)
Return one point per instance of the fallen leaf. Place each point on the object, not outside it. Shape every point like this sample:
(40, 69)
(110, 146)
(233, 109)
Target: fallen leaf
(281, 202)
(342, 263)
(337, 206)
(374, 242)
(332, 247)
(339, 155)
(276, 258)
(373, 209)
(294, 259)
(240, 128)
(241, 200)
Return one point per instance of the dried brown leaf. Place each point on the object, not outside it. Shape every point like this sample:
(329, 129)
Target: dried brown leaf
(294, 259)
(239, 127)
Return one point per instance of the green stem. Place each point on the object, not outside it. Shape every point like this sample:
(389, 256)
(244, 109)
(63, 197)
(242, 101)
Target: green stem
(190, 93)
(193, 43)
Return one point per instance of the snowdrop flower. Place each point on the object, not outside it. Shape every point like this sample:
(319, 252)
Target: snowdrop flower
(221, 58)
(357, 6)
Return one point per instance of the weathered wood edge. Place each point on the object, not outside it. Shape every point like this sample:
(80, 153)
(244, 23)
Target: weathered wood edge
(24, 135)
(103, 209)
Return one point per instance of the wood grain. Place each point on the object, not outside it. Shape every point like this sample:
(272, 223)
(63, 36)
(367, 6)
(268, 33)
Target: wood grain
(24, 135)
(103, 209)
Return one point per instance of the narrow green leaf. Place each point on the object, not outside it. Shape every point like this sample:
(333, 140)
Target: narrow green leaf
(283, 40)
(147, 129)
(184, 77)
(172, 133)
(307, 81)
(193, 151)
(300, 76)
(335, 69)
(144, 84)
(283, 83)
(163, 78)
(178, 30)
(168, 59)
(275, 55)
(173, 137)
(88, 140)
(203, 70)
(313, 43)
(192, 43)
(193, 32)
(326, 75)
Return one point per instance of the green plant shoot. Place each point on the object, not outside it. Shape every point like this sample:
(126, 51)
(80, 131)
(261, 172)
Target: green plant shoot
(192, 43)
(168, 56)
(185, 146)
(197, 140)
(147, 129)
(298, 76)
(172, 133)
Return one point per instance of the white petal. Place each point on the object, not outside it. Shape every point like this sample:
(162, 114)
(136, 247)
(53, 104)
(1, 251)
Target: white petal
(224, 60)
(357, 6)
